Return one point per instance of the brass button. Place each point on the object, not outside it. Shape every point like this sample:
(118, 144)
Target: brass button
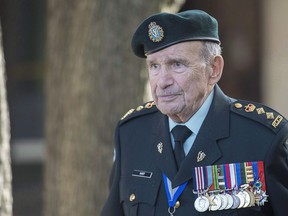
(132, 197)
(238, 105)
(177, 204)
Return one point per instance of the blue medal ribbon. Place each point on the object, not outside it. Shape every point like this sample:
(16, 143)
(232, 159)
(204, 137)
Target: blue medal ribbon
(255, 172)
(205, 178)
(209, 176)
(172, 193)
(225, 177)
(238, 175)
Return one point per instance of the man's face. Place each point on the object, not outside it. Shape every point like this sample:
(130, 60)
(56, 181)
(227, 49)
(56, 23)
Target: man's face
(179, 80)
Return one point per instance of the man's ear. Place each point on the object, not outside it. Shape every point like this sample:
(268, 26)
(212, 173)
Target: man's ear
(217, 68)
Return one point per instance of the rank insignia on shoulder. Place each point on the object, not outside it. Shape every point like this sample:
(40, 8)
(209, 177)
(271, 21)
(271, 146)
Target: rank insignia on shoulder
(238, 105)
(250, 108)
(260, 110)
(138, 109)
(263, 114)
(128, 113)
(229, 186)
(270, 115)
(277, 121)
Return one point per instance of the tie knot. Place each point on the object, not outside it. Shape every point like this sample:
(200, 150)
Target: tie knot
(181, 133)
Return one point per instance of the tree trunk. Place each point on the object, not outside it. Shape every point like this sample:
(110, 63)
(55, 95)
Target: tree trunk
(92, 80)
(5, 160)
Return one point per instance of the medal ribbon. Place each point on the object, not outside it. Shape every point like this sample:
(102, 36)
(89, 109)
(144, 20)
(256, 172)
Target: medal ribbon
(243, 173)
(172, 193)
(209, 177)
(221, 176)
(249, 172)
(255, 171)
(227, 178)
(238, 175)
(232, 169)
(215, 177)
(261, 174)
(201, 181)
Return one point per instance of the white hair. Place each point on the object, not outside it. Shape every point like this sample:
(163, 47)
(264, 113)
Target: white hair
(209, 50)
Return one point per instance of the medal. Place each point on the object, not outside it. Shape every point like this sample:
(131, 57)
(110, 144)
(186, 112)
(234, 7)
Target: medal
(224, 201)
(236, 201)
(260, 186)
(222, 186)
(216, 200)
(229, 186)
(246, 198)
(241, 200)
(202, 203)
(233, 179)
(230, 201)
(252, 198)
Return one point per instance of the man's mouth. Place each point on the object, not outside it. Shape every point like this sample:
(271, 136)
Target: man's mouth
(167, 97)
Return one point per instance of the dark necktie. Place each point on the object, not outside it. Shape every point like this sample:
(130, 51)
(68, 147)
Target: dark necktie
(180, 134)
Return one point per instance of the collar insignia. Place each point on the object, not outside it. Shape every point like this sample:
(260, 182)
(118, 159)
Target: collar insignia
(201, 155)
(160, 147)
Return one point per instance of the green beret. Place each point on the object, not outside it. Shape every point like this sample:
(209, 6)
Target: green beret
(164, 29)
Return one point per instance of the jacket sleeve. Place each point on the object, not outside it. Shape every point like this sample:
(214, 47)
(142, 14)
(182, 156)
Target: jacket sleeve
(113, 206)
(277, 173)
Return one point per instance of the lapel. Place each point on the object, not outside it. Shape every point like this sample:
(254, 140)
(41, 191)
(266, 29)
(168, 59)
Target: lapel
(163, 159)
(214, 127)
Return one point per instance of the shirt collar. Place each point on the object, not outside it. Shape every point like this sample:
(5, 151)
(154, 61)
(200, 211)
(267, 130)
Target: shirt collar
(195, 122)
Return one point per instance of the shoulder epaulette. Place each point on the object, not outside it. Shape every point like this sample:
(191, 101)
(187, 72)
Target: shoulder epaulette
(140, 110)
(260, 113)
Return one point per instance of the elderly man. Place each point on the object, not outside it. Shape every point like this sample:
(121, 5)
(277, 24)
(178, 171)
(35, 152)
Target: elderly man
(194, 150)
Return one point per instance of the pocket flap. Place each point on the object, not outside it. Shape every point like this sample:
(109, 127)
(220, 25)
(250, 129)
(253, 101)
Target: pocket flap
(139, 190)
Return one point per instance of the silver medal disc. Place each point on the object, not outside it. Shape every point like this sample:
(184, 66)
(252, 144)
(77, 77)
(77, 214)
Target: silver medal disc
(252, 199)
(216, 202)
(201, 204)
(241, 199)
(247, 199)
(230, 201)
(224, 201)
(236, 201)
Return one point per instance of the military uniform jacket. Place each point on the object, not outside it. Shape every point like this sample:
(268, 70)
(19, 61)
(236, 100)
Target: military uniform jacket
(230, 133)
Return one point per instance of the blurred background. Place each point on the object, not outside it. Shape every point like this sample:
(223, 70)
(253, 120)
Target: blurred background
(255, 47)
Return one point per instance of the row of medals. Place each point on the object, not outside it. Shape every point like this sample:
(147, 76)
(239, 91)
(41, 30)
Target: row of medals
(244, 197)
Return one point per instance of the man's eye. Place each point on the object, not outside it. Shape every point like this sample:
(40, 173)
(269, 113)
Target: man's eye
(178, 64)
(154, 66)
(178, 67)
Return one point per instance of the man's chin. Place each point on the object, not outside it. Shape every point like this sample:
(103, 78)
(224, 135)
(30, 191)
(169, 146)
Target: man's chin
(167, 110)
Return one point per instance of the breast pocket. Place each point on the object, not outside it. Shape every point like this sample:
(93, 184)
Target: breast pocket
(138, 196)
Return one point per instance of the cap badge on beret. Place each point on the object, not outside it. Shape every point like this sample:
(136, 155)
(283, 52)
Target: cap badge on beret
(156, 33)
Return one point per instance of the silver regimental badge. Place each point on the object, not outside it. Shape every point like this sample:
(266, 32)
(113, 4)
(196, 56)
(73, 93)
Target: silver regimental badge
(156, 33)
(160, 147)
(201, 155)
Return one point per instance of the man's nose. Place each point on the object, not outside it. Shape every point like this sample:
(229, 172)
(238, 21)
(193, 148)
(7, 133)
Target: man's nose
(165, 78)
